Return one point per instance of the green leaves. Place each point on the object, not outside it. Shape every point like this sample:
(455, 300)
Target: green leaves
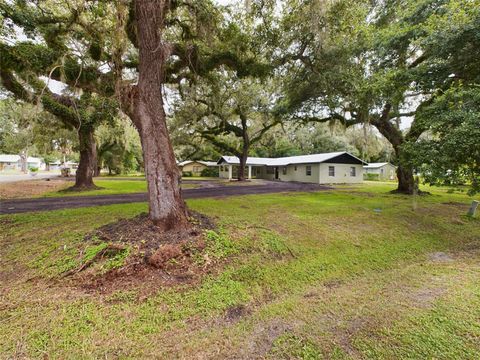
(450, 154)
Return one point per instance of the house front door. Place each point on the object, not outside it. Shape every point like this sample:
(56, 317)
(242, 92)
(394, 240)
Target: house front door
(276, 172)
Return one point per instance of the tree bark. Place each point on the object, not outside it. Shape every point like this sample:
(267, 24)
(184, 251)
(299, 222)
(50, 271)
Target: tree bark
(397, 139)
(166, 206)
(245, 147)
(24, 161)
(241, 168)
(243, 160)
(98, 168)
(88, 160)
(406, 183)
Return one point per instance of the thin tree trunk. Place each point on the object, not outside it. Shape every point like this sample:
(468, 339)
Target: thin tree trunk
(88, 160)
(23, 161)
(98, 168)
(167, 208)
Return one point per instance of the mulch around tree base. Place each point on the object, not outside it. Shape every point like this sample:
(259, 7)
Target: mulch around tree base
(155, 258)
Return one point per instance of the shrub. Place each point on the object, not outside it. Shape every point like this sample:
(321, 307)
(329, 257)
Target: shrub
(210, 172)
(187, 174)
(33, 169)
(371, 177)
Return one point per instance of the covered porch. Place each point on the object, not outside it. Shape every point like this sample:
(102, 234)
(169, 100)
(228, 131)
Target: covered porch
(255, 168)
(229, 171)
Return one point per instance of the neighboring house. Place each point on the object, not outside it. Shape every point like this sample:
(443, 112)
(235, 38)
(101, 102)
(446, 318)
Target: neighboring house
(57, 165)
(13, 162)
(196, 166)
(385, 170)
(329, 168)
(9, 162)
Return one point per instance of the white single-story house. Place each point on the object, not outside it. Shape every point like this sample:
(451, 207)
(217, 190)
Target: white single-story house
(196, 166)
(385, 170)
(13, 162)
(328, 168)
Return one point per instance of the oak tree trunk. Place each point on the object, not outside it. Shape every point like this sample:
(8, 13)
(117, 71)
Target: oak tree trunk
(166, 206)
(245, 147)
(396, 138)
(406, 183)
(243, 160)
(241, 168)
(88, 160)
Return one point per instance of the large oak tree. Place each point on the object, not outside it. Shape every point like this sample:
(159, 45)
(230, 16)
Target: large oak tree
(231, 113)
(59, 44)
(380, 63)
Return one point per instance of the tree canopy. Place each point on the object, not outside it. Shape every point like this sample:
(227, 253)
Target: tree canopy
(379, 63)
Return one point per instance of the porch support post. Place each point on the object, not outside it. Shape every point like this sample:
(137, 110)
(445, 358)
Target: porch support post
(249, 172)
(229, 172)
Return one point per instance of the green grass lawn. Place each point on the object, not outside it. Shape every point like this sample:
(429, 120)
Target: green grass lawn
(109, 187)
(137, 175)
(345, 274)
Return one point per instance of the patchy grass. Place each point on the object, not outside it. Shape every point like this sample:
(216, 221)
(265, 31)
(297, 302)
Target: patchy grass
(31, 188)
(351, 273)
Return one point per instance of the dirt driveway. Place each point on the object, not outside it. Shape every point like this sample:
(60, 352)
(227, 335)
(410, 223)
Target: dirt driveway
(45, 204)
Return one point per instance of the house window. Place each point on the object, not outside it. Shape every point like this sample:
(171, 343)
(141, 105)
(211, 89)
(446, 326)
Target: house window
(353, 171)
(284, 170)
(308, 170)
(197, 169)
(295, 167)
(331, 171)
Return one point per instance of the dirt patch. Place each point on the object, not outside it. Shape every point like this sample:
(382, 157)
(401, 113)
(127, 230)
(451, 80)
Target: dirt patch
(332, 284)
(424, 298)
(26, 189)
(419, 192)
(155, 258)
(7, 221)
(263, 336)
(440, 257)
(236, 313)
(140, 231)
(73, 189)
(454, 203)
(344, 336)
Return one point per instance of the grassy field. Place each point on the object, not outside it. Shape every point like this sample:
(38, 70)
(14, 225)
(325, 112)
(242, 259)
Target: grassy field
(110, 187)
(346, 274)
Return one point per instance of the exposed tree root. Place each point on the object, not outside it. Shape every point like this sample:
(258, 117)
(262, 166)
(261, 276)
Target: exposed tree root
(110, 249)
